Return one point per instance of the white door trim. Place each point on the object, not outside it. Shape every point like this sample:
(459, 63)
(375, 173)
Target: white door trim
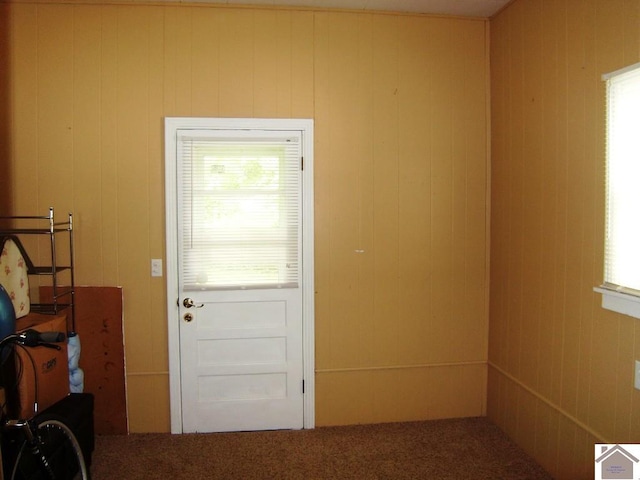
(172, 124)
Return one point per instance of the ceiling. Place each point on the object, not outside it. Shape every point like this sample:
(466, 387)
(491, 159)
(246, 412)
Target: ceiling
(467, 8)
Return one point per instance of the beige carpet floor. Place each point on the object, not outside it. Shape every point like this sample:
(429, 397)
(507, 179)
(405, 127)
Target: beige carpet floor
(455, 449)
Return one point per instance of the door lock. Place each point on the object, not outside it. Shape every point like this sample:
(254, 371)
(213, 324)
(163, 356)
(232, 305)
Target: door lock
(188, 303)
(188, 317)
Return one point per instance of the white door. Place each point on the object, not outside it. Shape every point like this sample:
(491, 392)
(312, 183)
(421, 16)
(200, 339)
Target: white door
(240, 283)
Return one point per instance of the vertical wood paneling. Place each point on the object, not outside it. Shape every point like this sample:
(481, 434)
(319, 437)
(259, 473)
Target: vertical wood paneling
(559, 260)
(365, 180)
(6, 193)
(24, 144)
(236, 63)
(55, 106)
(498, 284)
(532, 194)
(591, 195)
(625, 370)
(515, 151)
(558, 198)
(302, 98)
(404, 394)
(109, 144)
(575, 359)
(202, 57)
(544, 449)
(399, 104)
(385, 322)
(150, 414)
(177, 84)
(414, 195)
(441, 188)
(459, 127)
(575, 160)
(470, 193)
(86, 140)
(475, 339)
(343, 78)
(406, 188)
(302, 58)
(155, 190)
(133, 165)
(322, 200)
(549, 332)
(268, 63)
(282, 60)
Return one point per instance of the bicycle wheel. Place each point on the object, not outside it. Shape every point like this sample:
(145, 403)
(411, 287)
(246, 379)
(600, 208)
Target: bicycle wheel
(60, 448)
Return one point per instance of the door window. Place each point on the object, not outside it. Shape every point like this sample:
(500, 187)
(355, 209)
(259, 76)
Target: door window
(245, 195)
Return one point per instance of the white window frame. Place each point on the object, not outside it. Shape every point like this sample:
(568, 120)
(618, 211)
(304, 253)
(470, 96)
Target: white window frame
(618, 298)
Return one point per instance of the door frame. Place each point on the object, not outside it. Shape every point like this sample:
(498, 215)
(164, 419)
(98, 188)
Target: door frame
(172, 124)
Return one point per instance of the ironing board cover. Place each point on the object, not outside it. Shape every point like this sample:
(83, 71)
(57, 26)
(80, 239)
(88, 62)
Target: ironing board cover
(14, 275)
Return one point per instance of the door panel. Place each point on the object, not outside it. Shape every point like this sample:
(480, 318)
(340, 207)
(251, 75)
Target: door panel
(242, 361)
(239, 264)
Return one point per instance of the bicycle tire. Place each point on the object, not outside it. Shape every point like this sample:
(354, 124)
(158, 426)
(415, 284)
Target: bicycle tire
(60, 447)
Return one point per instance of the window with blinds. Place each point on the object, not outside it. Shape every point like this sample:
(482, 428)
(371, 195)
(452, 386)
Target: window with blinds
(240, 215)
(622, 245)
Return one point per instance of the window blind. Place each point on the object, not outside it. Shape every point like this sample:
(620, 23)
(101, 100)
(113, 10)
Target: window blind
(622, 245)
(240, 214)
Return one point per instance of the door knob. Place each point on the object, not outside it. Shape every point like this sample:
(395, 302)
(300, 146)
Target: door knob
(188, 303)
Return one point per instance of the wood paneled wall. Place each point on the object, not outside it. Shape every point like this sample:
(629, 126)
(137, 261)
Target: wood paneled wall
(400, 109)
(561, 367)
(5, 123)
(400, 217)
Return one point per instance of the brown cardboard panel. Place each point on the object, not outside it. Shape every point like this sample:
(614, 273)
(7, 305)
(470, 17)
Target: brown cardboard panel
(99, 325)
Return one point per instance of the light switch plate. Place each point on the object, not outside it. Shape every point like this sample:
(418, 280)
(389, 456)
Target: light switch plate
(637, 380)
(156, 267)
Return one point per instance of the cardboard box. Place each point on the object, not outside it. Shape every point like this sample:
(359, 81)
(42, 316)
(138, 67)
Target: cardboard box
(49, 368)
